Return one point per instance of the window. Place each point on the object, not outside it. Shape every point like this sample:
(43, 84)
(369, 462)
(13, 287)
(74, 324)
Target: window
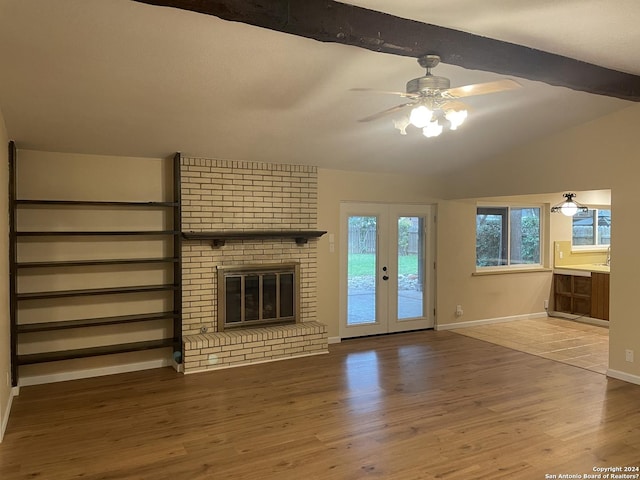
(507, 236)
(592, 228)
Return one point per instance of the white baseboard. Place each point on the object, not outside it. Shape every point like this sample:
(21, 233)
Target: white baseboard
(93, 372)
(488, 321)
(5, 416)
(334, 340)
(627, 377)
(580, 318)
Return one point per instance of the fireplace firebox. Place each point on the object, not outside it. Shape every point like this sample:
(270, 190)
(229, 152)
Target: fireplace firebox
(256, 295)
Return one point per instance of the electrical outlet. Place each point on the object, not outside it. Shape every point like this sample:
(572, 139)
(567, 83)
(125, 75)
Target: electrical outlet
(546, 304)
(459, 310)
(628, 355)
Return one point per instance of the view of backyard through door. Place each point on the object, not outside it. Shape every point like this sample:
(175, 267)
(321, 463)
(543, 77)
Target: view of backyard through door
(387, 268)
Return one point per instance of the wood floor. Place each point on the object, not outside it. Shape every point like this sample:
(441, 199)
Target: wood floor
(423, 405)
(574, 343)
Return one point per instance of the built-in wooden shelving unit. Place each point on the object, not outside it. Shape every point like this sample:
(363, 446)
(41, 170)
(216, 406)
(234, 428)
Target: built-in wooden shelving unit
(58, 269)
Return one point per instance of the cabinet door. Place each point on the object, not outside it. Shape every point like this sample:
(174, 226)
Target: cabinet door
(600, 296)
(562, 289)
(581, 286)
(562, 283)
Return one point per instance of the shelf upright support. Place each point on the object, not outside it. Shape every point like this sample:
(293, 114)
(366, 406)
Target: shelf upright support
(13, 259)
(177, 255)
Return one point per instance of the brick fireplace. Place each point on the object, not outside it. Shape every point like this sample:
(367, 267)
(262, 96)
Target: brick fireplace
(231, 196)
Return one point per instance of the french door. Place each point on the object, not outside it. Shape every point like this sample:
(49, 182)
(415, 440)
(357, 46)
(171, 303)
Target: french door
(387, 268)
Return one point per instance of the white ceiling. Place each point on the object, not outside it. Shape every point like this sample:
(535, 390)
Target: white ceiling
(118, 77)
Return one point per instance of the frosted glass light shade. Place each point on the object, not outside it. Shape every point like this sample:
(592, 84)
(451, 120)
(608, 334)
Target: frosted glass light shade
(456, 118)
(432, 129)
(420, 116)
(569, 209)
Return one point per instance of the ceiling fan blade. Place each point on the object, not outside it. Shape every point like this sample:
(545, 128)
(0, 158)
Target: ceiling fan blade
(383, 113)
(455, 105)
(482, 88)
(386, 92)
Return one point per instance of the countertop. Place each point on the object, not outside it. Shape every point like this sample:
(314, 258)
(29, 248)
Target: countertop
(586, 268)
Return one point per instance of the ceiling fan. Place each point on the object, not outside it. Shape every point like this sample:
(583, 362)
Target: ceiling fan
(433, 103)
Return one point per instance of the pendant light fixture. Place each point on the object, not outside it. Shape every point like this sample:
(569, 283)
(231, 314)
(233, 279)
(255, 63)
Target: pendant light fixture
(569, 207)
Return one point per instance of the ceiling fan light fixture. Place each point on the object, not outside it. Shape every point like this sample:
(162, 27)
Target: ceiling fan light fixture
(433, 103)
(432, 129)
(402, 124)
(569, 207)
(420, 116)
(456, 118)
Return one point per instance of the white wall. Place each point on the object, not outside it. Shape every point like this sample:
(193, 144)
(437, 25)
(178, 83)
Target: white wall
(486, 297)
(338, 186)
(5, 335)
(602, 154)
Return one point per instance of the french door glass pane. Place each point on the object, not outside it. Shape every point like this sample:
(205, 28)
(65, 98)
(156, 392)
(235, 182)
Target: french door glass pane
(410, 267)
(361, 270)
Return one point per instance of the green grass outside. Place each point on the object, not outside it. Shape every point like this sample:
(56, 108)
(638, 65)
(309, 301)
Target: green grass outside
(365, 263)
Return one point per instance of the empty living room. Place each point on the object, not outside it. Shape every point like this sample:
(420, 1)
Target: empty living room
(296, 240)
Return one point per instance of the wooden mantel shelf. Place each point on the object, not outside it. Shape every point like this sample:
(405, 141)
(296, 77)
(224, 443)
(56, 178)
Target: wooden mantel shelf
(219, 238)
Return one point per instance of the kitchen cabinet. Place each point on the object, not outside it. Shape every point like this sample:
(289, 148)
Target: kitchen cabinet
(600, 295)
(572, 294)
(583, 294)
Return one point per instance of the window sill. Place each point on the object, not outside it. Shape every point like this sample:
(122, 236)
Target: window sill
(481, 273)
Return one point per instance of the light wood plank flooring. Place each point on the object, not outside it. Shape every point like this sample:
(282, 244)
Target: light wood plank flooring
(579, 344)
(424, 405)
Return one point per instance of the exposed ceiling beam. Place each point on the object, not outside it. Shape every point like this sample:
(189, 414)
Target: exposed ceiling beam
(330, 21)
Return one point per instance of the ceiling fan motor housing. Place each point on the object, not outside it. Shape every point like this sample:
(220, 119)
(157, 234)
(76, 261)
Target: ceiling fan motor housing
(426, 83)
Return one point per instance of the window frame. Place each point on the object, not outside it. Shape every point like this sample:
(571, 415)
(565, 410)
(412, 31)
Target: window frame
(598, 247)
(507, 207)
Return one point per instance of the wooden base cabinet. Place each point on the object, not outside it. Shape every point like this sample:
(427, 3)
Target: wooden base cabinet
(586, 296)
(600, 295)
(572, 294)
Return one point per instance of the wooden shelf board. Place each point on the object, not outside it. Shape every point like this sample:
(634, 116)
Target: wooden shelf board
(94, 291)
(94, 322)
(218, 238)
(80, 263)
(93, 351)
(76, 233)
(95, 203)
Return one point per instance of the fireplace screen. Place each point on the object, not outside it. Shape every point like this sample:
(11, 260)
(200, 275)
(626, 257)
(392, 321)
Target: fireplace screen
(251, 295)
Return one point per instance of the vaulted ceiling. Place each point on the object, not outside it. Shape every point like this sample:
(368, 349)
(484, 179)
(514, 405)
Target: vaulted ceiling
(121, 77)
